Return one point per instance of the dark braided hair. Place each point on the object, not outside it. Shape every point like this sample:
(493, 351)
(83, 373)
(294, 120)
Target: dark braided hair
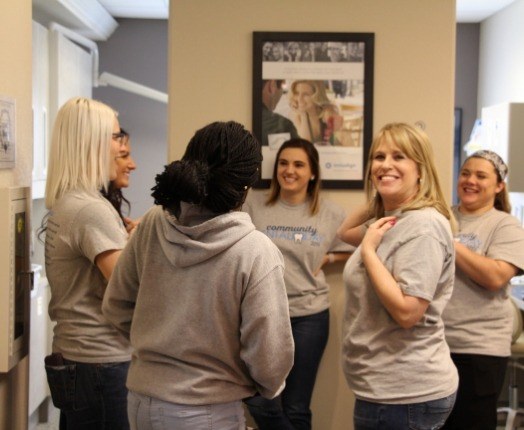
(220, 163)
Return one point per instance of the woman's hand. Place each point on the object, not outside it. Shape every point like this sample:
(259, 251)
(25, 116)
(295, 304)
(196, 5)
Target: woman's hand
(375, 233)
(325, 260)
(405, 310)
(330, 258)
(131, 224)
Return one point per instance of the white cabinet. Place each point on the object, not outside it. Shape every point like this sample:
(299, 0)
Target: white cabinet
(70, 71)
(61, 70)
(503, 132)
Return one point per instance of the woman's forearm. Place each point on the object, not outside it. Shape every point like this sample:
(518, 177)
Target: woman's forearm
(350, 231)
(488, 273)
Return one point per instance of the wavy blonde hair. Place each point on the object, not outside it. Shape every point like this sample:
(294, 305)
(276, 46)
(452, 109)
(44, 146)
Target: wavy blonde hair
(79, 156)
(415, 144)
(319, 97)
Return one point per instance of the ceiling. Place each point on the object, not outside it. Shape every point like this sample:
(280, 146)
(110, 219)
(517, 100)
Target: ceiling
(478, 10)
(158, 9)
(96, 19)
(467, 10)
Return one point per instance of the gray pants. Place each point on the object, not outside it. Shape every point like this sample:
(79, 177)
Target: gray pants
(148, 413)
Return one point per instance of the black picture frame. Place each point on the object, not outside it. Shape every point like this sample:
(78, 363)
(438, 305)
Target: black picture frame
(338, 69)
(457, 149)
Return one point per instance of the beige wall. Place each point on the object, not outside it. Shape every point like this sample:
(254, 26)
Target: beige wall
(501, 63)
(210, 69)
(15, 82)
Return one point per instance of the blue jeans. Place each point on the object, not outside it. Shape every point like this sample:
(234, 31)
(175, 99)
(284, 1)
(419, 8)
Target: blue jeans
(148, 413)
(89, 396)
(415, 416)
(290, 410)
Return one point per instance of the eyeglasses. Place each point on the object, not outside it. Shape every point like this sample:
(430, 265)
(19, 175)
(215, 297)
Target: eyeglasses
(120, 137)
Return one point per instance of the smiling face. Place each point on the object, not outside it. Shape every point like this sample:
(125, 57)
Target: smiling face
(394, 175)
(125, 165)
(477, 186)
(303, 95)
(293, 174)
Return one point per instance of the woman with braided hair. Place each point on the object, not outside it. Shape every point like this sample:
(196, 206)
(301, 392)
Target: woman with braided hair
(201, 293)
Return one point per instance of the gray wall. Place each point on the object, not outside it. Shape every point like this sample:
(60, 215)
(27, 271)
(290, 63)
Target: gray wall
(466, 77)
(466, 83)
(137, 51)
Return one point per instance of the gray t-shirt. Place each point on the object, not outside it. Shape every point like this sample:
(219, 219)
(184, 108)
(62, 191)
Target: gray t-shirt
(303, 240)
(80, 227)
(479, 321)
(382, 361)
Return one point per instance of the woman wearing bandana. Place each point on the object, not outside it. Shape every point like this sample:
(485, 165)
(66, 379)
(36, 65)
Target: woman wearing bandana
(489, 252)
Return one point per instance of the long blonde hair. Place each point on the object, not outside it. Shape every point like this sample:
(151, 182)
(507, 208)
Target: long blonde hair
(415, 144)
(79, 156)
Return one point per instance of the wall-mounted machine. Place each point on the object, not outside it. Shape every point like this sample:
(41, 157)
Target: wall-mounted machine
(15, 276)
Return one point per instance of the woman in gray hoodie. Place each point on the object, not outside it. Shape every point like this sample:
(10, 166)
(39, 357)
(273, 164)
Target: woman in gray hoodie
(200, 292)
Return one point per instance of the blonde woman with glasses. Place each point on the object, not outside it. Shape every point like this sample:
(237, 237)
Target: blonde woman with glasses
(84, 237)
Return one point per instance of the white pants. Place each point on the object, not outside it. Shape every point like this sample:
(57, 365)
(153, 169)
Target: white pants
(148, 413)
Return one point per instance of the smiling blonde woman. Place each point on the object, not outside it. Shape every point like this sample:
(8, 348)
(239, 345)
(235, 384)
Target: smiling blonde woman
(398, 282)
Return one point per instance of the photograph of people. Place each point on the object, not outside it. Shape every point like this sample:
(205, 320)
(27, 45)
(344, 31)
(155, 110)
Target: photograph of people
(489, 250)
(337, 52)
(292, 52)
(303, 226)
(315, 117)
(277, 51)
(275, 127)
(398, 282)
(200, 292)
(267, 49)
(84, 236)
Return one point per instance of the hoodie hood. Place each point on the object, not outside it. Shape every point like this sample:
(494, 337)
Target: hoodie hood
(199, 234)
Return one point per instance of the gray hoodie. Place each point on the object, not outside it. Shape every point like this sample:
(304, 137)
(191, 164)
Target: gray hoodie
(203, 300)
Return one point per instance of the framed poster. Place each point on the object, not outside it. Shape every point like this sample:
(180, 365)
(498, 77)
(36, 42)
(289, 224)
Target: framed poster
(7, 132)
(319, 87)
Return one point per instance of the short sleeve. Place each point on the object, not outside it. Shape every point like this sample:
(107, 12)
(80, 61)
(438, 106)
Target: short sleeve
(96, 229)
(418, 265)
(507, 243)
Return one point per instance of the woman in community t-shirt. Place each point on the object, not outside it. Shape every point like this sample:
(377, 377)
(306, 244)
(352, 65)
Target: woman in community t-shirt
(304, 229)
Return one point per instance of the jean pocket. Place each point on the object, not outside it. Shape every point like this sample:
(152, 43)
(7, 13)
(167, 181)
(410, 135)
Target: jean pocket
(62, 382)
(430, 415)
